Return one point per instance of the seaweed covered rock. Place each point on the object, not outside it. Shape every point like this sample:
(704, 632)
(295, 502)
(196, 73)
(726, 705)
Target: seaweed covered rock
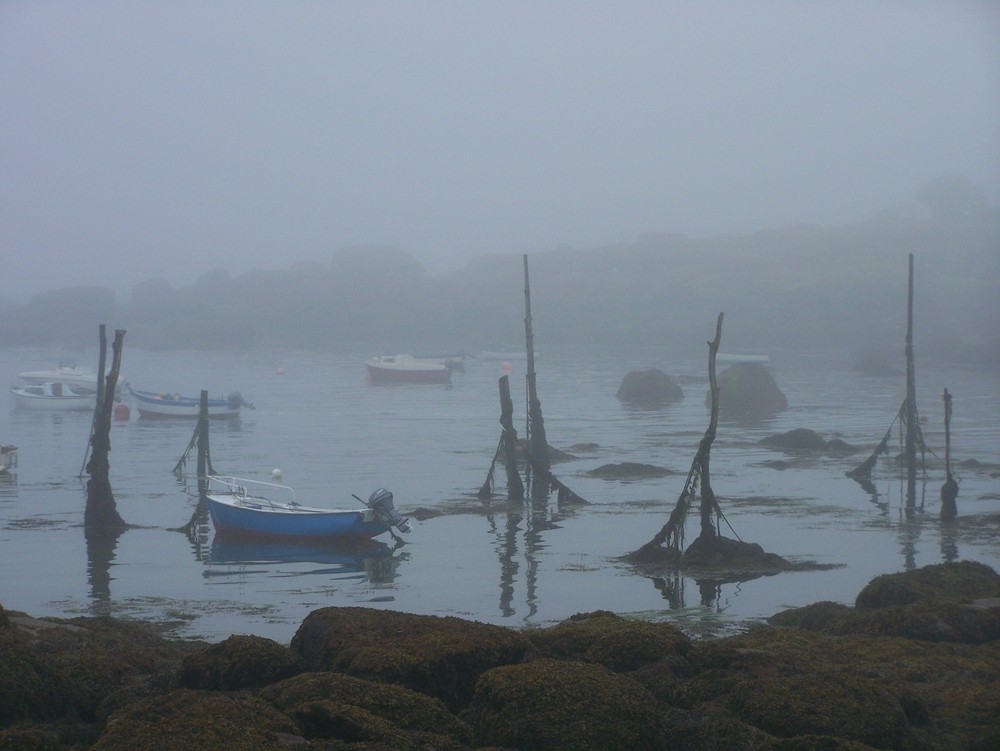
(887, 693)
(649, 388)
(803, 440)
(748, 391)
(630, 471)
(65, 670)
(440, 657)
(948, 602)
(320, 703)
(186, 720)
(962, 581)
(239, 662)
(798, 439)
(723, 553)
(619, 644)
(553, 704)
(785, 685)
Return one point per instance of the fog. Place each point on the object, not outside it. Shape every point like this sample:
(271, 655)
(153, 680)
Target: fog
(145, 140)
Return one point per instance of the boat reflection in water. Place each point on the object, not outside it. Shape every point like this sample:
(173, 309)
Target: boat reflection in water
(351, 558)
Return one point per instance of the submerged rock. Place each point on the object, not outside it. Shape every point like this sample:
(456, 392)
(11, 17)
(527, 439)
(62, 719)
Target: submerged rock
(650, 387)
(630, 471)
(748, 391)
(725, 554)
(806, 441)
(798, 439)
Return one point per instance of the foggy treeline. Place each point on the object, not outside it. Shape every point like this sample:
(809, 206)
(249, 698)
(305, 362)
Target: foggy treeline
(812, 286)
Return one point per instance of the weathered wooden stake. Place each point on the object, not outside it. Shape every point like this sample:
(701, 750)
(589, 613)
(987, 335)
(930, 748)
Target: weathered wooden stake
(199, 441)
(709, 504)
(907, 414)
(515, 488)
(671, 534)
(101, 514)
(204, 455)
(910, 416)
(949, 491)
(537, 443)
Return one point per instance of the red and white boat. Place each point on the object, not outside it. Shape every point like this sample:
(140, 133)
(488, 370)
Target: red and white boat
(406, 369)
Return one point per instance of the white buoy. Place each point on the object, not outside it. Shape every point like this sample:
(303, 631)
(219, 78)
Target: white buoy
(275, 474)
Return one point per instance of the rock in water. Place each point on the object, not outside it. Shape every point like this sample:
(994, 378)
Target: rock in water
(649, 388)
(747, 391)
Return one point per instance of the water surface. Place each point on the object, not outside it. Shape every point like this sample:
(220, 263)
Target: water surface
(333, 435)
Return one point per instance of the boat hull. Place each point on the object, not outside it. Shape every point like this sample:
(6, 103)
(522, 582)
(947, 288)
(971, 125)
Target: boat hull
(156, 406)
(47, 402)
(406, 369)
(260, 518)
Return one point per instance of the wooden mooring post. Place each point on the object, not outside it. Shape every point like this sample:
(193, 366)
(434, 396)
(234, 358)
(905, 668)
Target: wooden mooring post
(199, 441)
(537, 444)
(538, 470)
(908, 416)
(101, 515)
(949, 491)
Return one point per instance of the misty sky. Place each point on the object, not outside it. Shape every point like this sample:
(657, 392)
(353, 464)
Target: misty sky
(167, 138)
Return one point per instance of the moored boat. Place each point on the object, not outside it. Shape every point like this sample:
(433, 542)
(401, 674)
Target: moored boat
(405, 368)
(161, 404)
(264, 509)
(72, 375)
(54, 396)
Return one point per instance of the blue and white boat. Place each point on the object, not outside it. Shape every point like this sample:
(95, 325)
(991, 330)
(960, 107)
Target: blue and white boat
(162, 404)
(264, 509)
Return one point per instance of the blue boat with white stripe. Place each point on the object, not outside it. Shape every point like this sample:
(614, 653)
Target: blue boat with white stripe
(263, 509)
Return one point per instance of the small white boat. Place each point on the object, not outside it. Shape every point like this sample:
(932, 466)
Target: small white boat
(71, 375)
(54, 396)
(406, 369)
(263, 509)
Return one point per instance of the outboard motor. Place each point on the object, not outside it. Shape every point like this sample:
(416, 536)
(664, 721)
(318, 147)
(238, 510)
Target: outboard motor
(381, 503)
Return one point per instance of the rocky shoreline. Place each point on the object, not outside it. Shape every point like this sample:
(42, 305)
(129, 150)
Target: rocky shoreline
(913, 665)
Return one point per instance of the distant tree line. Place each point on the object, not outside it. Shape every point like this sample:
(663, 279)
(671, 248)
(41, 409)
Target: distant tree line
(798, 286)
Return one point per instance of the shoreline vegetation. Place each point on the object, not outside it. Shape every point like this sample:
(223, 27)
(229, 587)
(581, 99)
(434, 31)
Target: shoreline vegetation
(913, 664)
(784, 288)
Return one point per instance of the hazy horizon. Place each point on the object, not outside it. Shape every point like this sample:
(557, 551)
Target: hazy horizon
(166, 139)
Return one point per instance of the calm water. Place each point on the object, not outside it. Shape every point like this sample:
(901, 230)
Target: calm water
(333, 435)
